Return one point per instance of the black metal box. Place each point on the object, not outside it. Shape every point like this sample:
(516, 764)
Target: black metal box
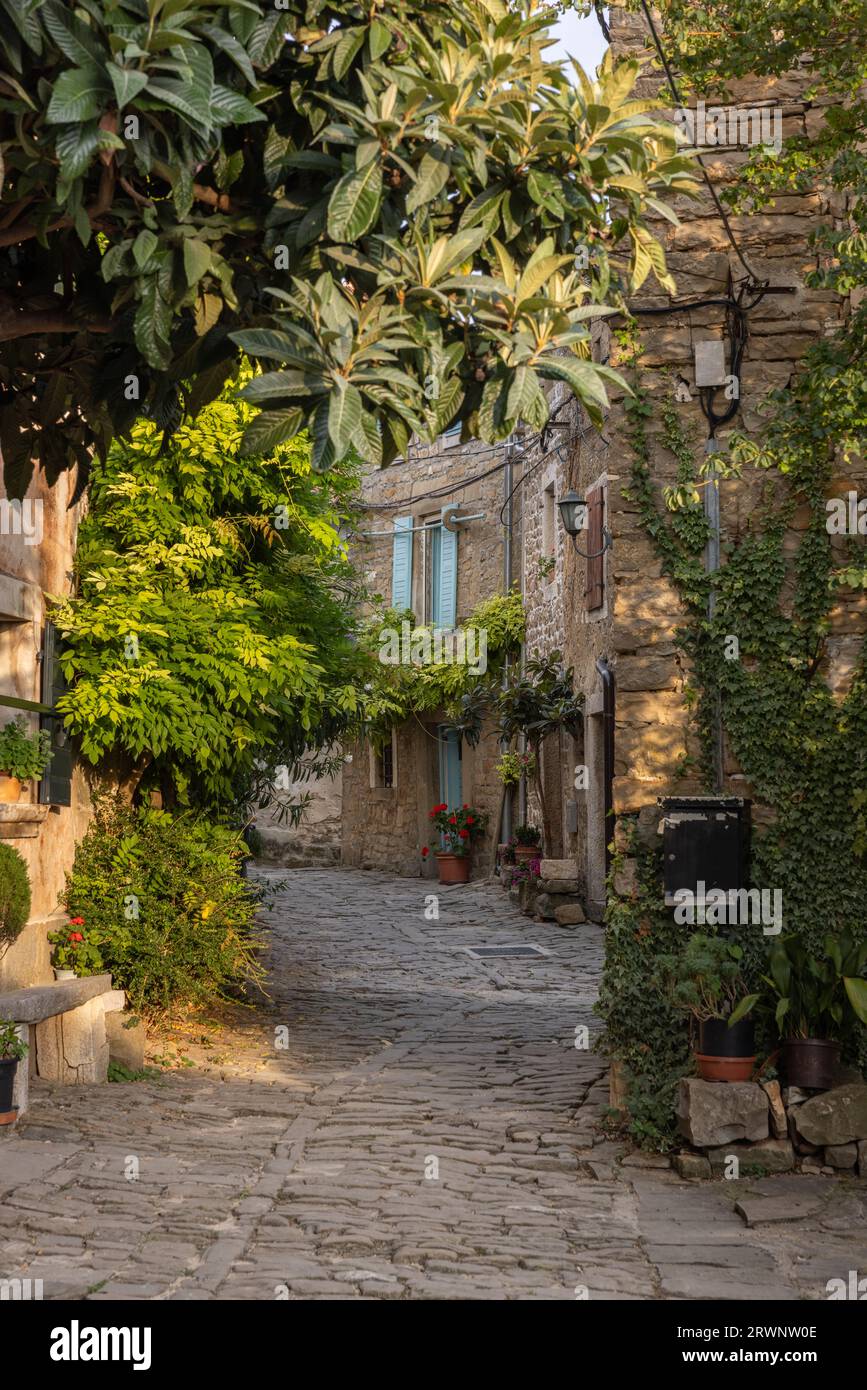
(705, 840)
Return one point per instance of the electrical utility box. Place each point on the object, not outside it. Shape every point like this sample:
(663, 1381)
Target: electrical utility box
(705, 840)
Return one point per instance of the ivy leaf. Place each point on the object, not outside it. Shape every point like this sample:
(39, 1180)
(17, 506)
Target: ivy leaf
(354, 203)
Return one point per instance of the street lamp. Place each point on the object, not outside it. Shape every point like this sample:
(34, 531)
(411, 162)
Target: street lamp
(573, 513)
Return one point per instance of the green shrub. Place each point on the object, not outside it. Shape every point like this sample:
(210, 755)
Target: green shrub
(22, 755)
(14, 894)
(165, 902)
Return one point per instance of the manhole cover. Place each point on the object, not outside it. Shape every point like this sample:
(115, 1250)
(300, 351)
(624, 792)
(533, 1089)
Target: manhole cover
(510, 952)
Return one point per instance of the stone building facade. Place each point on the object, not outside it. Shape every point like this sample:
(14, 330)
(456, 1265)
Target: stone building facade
(387, 794)
(37, 543)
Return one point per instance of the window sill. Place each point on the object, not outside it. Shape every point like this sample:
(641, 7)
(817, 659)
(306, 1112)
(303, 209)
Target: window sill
(20, 820)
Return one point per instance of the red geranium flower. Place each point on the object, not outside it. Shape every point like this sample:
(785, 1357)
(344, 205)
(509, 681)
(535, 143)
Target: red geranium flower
(453, 820)
(470, 820)
(425, 852)
(75, 936)
(76, 921)
(464, 834)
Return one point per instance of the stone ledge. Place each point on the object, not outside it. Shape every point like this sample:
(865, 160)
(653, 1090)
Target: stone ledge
(38, 1002)
(20, 820)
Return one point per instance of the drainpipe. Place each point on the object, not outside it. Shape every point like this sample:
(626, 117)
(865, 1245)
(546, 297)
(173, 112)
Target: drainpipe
(506, 825)
(607, 677)
(710, 501)
(522, 741)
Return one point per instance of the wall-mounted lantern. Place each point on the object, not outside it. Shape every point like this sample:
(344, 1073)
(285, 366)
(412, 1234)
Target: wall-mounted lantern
(573, 513)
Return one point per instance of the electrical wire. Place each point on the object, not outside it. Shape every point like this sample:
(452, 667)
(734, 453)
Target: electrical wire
(713, 193)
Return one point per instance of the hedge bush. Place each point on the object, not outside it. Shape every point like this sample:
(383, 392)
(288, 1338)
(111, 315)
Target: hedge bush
(14, 894)
(164, 899)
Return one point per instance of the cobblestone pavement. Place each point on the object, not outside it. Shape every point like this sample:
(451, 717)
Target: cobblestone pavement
(429, 1132)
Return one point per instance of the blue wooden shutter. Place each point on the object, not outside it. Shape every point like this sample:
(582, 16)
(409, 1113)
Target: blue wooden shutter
(448, 578)
(450, 767)
(401, 568)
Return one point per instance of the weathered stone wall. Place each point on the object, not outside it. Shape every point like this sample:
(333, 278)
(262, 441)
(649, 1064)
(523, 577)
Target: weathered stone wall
(636, 630)
(28, 572)
(316, 838)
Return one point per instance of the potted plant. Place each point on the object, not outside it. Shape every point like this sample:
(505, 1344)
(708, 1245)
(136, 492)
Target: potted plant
(12, 1049)
(75, 952)
(705, 981)
(21, 757)
(528, 844)
(459, 826)
(818, 1003)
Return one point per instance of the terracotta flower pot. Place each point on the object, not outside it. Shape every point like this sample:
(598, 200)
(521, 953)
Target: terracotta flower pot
(725, 1068)
(453, 868)
(810, 1063)
(10, 787)
(524, 853)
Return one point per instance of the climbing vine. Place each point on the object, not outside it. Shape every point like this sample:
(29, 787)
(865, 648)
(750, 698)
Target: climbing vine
(799, 738)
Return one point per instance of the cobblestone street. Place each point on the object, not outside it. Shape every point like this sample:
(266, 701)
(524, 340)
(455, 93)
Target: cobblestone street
(428, 1132)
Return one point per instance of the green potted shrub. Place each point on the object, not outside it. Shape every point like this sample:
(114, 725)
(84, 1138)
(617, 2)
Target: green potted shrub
(819, 1002)
(705, 981)
(14, 894)
(22, 757)
(12, 1049)
(459, 827)
(528, 843)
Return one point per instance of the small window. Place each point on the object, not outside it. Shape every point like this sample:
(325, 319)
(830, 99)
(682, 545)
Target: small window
(383, 765)
(386, 766)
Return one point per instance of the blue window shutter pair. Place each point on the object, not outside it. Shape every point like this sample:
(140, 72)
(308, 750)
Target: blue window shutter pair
(444, 571)
(401, 568)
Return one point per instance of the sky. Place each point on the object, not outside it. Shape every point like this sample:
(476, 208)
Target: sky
(579, 38)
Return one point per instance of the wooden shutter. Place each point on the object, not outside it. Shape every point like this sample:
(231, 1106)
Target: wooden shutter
(594, 592)
(401, 567)
(450, 767)
(447, 606)
(55, 788)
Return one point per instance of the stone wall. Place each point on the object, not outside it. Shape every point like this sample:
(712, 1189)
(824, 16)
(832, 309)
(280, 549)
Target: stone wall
(44, 836)
(653, 729)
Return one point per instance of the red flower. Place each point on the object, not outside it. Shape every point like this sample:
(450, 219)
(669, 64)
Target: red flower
(464, 834)
(465, 805)
(453, 820)
(470, 820)
(76, 921)
(75, 936)
(425, 852)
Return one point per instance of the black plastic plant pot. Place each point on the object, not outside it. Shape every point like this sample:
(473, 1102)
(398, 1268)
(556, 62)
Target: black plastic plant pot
(7, 1082)
(716, 1039)
(810, 1063)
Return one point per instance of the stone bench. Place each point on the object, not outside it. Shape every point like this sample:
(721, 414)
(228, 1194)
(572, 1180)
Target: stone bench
(64, 1026)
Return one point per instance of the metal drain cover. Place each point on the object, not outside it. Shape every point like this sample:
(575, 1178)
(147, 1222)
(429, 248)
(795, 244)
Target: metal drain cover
(507, 952)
